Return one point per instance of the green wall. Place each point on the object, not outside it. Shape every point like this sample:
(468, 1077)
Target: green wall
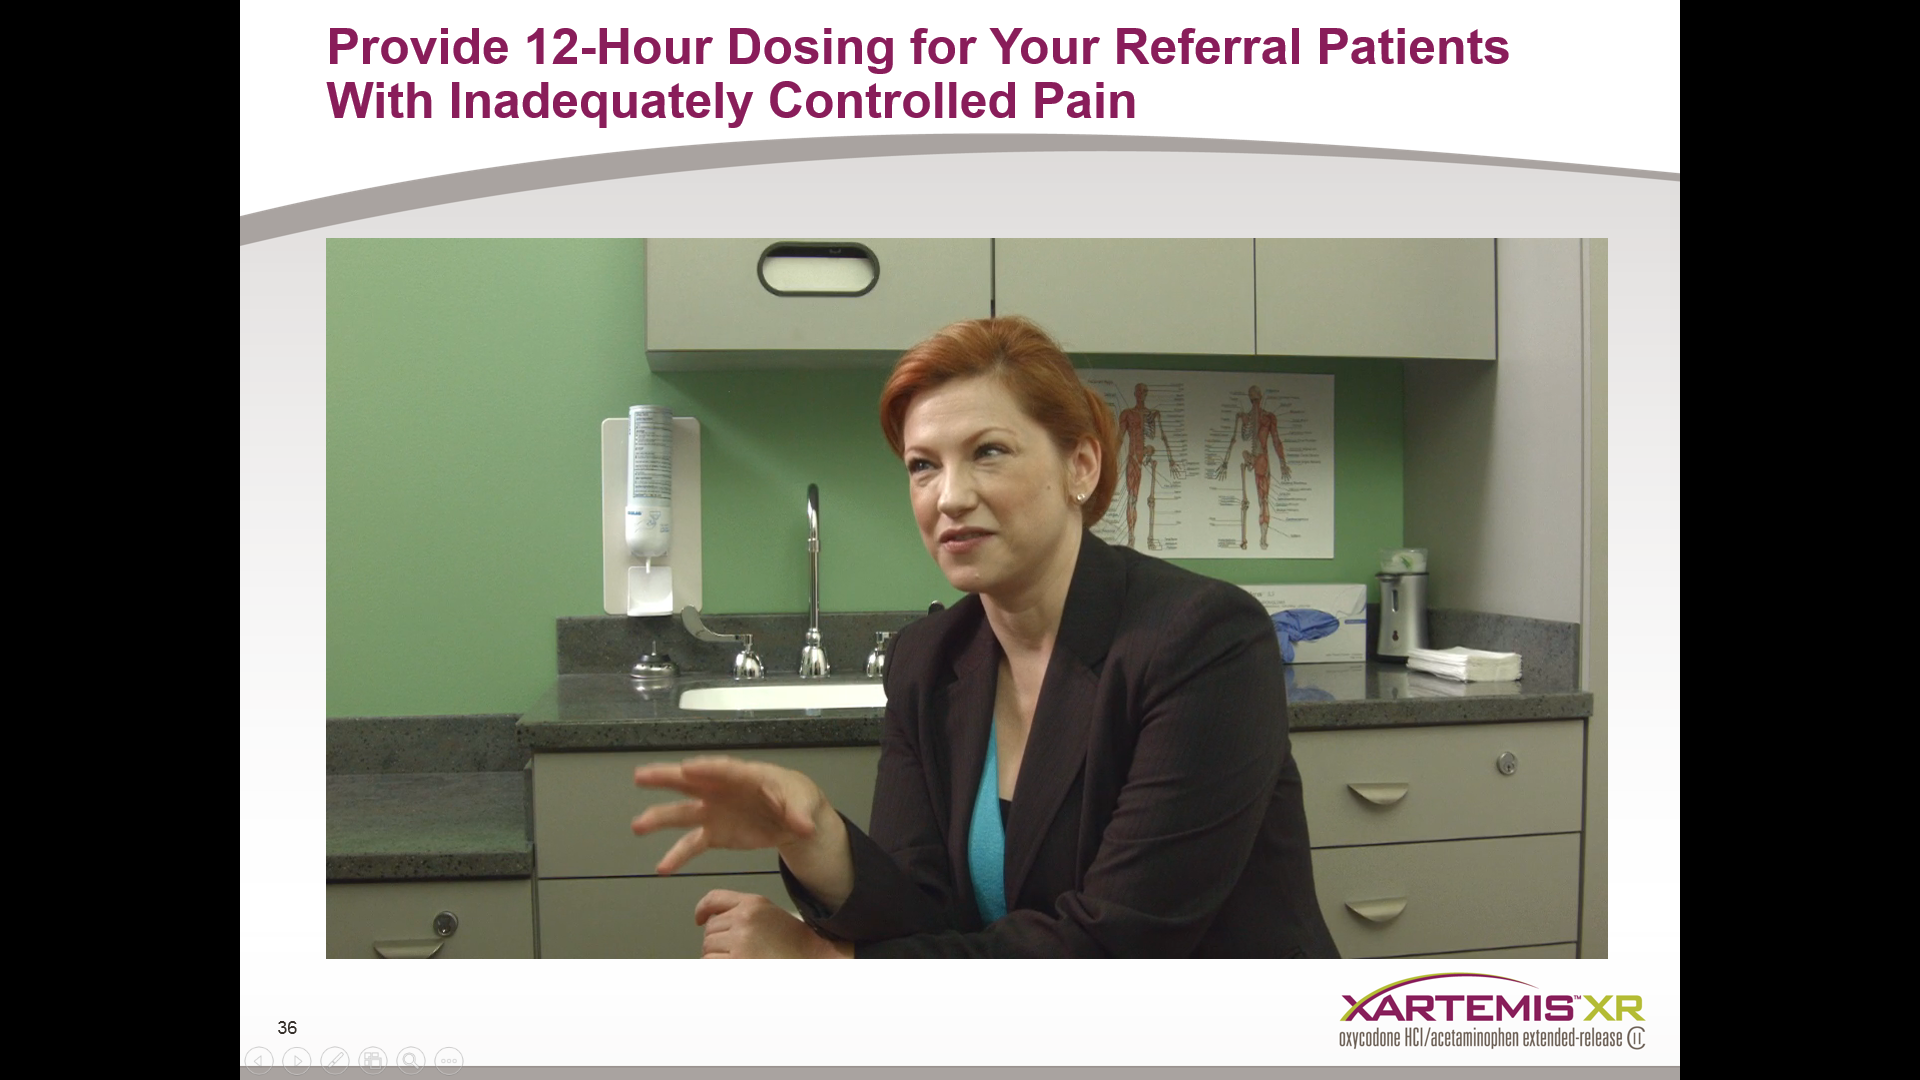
(466, 382)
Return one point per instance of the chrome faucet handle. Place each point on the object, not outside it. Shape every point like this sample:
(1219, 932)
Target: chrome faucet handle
(877, 659)
(813, 659)
(746, 665)
(690, 618)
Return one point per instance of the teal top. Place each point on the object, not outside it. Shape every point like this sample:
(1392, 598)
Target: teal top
(987, 839)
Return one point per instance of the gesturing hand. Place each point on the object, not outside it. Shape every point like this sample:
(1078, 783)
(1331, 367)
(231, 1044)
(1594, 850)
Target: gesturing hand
(745, 926)
(736, 805)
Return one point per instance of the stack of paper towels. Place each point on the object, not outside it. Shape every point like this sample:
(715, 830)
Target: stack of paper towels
(1462, 664)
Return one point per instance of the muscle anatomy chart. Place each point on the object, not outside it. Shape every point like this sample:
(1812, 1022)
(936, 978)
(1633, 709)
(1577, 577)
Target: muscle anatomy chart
(1221, 465)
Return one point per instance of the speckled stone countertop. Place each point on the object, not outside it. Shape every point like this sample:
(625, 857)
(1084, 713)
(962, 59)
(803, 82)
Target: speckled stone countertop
(412, 826)
(594, 706)
(421, 797)
(609, 712)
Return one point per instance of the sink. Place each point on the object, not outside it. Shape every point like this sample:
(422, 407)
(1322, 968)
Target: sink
(763, 697)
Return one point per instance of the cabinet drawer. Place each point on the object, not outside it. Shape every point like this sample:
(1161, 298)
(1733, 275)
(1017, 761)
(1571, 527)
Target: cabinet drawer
(1382, 786)
(636, 918)
(1450, 896)
(1565, 950)
(584, 806)
(496, 918)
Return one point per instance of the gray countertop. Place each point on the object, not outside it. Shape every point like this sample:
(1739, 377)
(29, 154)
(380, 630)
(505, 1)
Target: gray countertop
(412, 826)
(609, 712)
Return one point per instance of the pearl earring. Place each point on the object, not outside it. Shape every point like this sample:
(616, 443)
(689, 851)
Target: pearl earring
(1080, 498)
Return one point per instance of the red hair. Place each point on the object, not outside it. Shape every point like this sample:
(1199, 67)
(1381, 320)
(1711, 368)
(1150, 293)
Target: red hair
(1029, 364)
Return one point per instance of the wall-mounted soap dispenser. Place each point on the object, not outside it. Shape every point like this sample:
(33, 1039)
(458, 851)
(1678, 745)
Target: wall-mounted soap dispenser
(650, 535)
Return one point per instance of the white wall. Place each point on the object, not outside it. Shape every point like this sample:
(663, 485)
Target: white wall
(1506, 483)
(1593, 624)
(1495, 452)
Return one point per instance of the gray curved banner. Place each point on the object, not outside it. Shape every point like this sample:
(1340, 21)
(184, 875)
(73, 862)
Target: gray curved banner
(559, 172)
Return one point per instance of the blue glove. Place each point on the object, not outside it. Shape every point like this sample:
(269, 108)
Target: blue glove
(1301, 624)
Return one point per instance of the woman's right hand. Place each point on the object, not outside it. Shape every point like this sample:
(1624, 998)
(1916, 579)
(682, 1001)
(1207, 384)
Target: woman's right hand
(732, 804)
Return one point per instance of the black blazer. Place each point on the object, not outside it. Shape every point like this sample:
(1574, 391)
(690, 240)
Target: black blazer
(1157, 811)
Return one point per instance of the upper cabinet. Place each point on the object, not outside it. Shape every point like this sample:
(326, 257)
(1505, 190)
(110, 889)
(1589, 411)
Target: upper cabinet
(1391, 298)
(851, 302)
(782, 302)
(1131, 296)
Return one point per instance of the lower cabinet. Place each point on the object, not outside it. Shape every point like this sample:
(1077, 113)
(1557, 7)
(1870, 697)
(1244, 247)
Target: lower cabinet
(635, 917)
(1460, 841)
(1458, 895)
(599, 894)
(403, 920)
(1566, 950)
(1456, 842)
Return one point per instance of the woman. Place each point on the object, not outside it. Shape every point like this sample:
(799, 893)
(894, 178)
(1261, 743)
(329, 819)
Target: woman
(1087, 756)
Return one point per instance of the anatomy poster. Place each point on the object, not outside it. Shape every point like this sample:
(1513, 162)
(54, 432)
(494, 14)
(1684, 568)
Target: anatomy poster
(1221, 465)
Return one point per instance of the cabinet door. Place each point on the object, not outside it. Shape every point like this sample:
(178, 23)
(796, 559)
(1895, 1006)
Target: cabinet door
(641, 918)
(495, 919)
(1393, 785)
(1416, 899)
(1393, 298)
(584, 805)
(1131, 296)
(711, 297)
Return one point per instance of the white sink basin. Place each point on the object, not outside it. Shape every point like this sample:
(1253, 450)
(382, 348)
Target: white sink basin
(761, 697)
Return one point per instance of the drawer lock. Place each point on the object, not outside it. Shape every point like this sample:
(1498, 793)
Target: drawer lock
(444, 924)
(1507, 764)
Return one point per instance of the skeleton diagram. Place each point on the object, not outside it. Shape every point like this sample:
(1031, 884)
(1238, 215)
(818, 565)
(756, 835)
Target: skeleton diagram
(1137, 425)
(1258, 427)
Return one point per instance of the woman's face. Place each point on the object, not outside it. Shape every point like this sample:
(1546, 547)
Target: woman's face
(992, 494)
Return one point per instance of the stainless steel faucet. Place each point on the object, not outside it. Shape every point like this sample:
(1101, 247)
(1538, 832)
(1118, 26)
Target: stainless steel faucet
(813, 659)
(877, 659)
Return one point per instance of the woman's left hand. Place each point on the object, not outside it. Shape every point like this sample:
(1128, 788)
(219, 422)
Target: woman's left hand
(749, 927)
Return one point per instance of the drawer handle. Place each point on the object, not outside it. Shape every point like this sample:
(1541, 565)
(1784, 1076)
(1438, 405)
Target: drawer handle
(819, 270)
(1380, 794)
(408, 950)
(1378, 910)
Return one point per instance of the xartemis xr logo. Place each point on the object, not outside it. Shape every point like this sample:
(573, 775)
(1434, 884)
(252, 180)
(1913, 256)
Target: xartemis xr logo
(1428, 997)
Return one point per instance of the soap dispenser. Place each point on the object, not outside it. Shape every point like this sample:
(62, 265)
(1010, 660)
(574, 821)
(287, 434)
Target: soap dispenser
(1403, 602)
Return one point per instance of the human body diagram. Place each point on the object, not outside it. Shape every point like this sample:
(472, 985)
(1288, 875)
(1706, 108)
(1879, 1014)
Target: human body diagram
(1177, 433)
(1259, 429)
(1138, 426)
